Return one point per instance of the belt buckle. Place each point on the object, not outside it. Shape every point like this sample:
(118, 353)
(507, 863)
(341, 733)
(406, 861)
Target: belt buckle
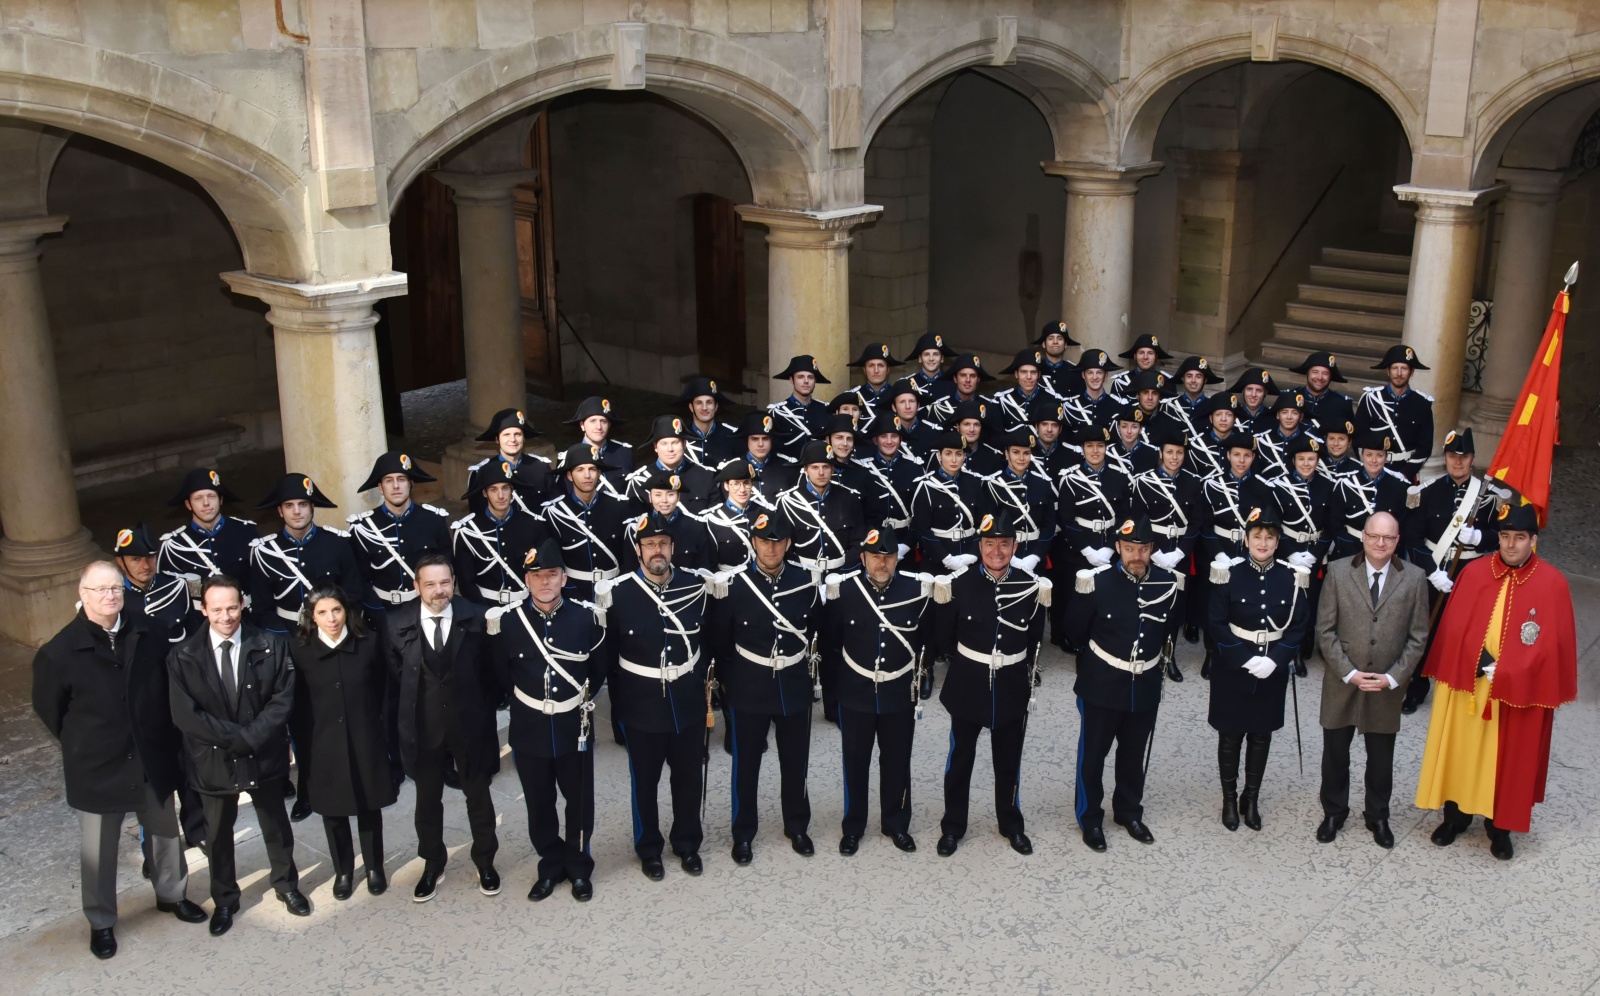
(505, 597)
(396, 597)
(549, 707)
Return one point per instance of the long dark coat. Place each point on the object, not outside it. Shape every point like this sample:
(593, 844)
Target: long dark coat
(470, 708)
(1276, 600)
(110, 712)
(340, 728)
(233, 750)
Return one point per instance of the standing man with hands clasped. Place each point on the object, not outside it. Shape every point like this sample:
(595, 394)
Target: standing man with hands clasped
(1372, 626)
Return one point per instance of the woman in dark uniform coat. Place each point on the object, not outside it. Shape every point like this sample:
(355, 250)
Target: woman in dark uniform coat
(1259, 614)
(339, 724)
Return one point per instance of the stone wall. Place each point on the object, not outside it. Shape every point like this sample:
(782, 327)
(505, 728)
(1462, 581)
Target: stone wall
(1578, 238)
(149, 344)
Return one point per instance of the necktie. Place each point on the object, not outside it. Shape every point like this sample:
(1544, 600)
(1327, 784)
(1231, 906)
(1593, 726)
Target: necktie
(438, 633)
(230, 681)
(1376, 578)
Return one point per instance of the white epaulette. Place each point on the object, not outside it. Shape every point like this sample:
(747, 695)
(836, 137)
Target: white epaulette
(480, 463)
(602, 590)
(1220, 573)
(491, 618)
(255, 543)
(436, 510)
(1085, 582)
(597, 611)
(461, 522)
(786, 458)
(167, 536)
(1413, 496)
(1369, 389)
(1302, 575)
(543, 459)
(244, 522)
(335, 530)
(1046, 591)
(353, 519)
(1428, 396)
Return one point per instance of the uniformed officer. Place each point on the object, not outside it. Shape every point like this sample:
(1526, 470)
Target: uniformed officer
(1016, 403)
(891, 475)
(1051, 453)
(488, 545)
(873, 638)
(971, 420)
(774, 472)
(690, 551)
(1171, 498)
(930, 352)
(595, 420)
(763, 625)
(728, 525)
(1229, 497)
(944, 517)
(1129, 613)
(1128, 451)
(667, 450)
(798, 418)
(1189, 384)
(847, 442)
(875, 362)
(1252, 387)
(1375, 487)
(917, 431)
(154, 595)
(587, 518)
(1145, 391)
(827, 518)
(1021, 490)
(1058, 372)
(1208, 452)
(1091, 500)
(1146, 353)
(388, 539)
(1321, 370)
(532, 481)
(959, 383)
(1403, 414)
(287, 565)
(1336, 426)
(660, 692)
(1302, 508)
(209, 543)
(990, 635)
(550, 657)
(1449, 522)
(1272, 442)
(1094, 404)
(849, 403)
(708, 441)
(1260, 615)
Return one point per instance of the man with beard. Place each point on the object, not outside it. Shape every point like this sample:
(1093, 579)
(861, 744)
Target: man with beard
(1403, 414)
(1321, 370)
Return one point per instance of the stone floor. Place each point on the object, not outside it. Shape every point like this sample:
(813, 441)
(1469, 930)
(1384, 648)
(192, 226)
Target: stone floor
(1201, 911)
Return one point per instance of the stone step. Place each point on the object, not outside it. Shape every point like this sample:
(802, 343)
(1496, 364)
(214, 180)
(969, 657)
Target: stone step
(1289, 354)
(1317, 316)
(1361, 342)
(1362, 259)
(1356, 299)
(1357, 379)
(1340, 276)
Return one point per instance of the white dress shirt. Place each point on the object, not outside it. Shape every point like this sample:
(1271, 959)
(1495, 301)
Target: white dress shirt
(444, 618)
(1382, 576)
(336, 640)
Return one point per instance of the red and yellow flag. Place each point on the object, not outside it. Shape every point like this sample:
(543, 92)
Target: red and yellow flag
(1523, 458)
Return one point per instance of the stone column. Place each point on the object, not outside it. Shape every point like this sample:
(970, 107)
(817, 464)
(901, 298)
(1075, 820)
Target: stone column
(1097, 282)
(1522, 297)
(491, 308)
(328, 392)
(1444, 257)
(808, 286)
(45, 543)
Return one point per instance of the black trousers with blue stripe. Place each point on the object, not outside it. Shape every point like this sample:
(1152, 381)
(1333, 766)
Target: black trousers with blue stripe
(683, 753)
(1005, 744)
(573, 775)
(749, 731)
(893, 732)
(1130, 731)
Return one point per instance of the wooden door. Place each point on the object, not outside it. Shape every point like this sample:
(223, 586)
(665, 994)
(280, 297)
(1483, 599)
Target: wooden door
(536, 268)
(433, 284)
(719, 289)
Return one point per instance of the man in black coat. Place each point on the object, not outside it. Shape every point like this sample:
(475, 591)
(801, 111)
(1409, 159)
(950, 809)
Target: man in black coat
(440, 674)
(100, 686)
(231, 686)
(990, 634)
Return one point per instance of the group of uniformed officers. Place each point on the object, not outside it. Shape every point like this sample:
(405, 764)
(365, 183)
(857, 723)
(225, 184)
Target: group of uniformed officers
(843, 551)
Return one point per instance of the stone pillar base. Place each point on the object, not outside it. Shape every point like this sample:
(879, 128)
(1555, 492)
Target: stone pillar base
(39, 585)
(1488, 423)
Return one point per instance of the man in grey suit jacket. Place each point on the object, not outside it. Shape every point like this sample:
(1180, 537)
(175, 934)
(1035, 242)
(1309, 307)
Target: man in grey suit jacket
(1372, 627)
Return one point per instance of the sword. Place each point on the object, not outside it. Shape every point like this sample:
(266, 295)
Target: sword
(705, 745)
(1294, 692)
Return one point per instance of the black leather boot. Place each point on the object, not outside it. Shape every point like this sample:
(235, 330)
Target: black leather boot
(1173, 674)
(1228, 768)
(1255, 766)
(1205, 667)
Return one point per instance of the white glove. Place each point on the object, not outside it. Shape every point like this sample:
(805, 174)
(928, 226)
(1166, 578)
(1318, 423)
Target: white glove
(1167, 561)
(1027, 563)
(1488, 671)
(1261, 667)
(1303, 559)
(1440, 580)
(956, 561)
(1096, 557)
(1471, 535)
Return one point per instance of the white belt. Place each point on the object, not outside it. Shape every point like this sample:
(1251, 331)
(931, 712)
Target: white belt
(1231, 535)
(1354, 531)
(672, 672)
(605, 575)
(548, 706)
(1095, 525)
(1399, 456)
(774, 662)
(1259, 637)
(395, 597)
(876, 676)
(288, 614)
(1309, 536)
(993, 659)
(954, 534)
(897, 523)
(1134, 667)
(502, 597)
(1466, 554)
(1170, 532)
(818, 564)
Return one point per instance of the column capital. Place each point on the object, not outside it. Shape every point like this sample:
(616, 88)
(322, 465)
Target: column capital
(484, 187)
(329, 307)
(1095, 179)
(1530, 184)
(19, 237)
(1442, 205)
(809, 229)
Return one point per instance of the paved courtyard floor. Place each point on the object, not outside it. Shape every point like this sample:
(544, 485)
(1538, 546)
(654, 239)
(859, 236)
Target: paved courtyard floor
(1201, 911)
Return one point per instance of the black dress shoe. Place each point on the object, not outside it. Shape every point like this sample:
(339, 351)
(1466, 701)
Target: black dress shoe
(947, 846)
(1173, 674)
(691, 864)
(849, 844)
(727, 746)
(221, 920)
(377, 882)
(103, 943)
(742, 854)
(582, 890)
(1138, 831)
(1205, 667)
(1408, 707)
(301, 810)
(1300, 669)
(488, 880)
(1500, 844)
(1328, 829)
(1381, 833)
(344, 886)
(1020, 843)
(427, 886)
(288, 789)
(541, 889)
(1095, 838)
(802, 845)
(144, 869)
(295, 902)
(903, 841)
(184, 910)
(653, 869)
(449, 775)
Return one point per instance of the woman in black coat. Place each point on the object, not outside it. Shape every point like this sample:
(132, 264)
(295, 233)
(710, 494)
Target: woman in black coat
(340, 732)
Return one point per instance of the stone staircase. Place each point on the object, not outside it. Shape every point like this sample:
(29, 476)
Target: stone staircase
(1353, 304)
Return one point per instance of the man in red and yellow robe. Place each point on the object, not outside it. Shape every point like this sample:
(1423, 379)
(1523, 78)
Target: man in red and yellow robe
(1505, 656)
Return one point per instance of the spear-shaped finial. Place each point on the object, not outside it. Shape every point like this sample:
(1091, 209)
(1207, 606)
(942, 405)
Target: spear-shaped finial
(1571, 277)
